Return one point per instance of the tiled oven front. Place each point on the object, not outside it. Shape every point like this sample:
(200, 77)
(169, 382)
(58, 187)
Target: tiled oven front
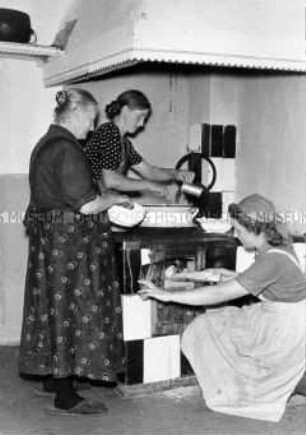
(151, 330)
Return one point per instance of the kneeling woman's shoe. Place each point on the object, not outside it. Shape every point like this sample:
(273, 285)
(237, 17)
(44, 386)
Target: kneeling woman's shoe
(301, 387)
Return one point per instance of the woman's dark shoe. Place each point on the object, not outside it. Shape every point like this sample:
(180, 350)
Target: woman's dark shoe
(85, 406)
(48, 388)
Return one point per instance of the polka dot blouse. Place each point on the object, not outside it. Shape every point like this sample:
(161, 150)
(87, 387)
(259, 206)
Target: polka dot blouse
(108, 150)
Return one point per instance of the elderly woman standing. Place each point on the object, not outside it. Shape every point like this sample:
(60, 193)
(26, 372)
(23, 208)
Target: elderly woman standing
(72, 314)
(249, 360)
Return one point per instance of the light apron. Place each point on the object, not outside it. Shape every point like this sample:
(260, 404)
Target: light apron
(248, 360)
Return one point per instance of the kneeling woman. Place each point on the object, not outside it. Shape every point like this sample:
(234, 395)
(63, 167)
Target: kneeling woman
(249, 360)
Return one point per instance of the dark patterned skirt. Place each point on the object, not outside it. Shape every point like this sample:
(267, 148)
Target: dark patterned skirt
(72, 321)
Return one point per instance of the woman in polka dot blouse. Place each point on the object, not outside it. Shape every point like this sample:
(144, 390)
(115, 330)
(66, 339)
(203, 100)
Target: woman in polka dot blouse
(111, 153)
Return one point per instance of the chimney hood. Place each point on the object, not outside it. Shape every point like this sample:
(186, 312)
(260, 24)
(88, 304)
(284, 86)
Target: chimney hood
(100, 36)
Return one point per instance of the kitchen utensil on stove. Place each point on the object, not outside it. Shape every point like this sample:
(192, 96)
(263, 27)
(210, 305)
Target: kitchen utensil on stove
(193, 161)
(192, 189)
(196, 191)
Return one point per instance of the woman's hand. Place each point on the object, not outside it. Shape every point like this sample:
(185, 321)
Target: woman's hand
(218, 274)
(184, 176)
(157, 188)
(197, 276)
(104, 201)
(151, 291)
(118, 199)
(225, 274)
(124, 200)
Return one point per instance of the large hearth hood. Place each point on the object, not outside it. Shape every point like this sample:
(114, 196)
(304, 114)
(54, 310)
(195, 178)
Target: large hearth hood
(100, 36)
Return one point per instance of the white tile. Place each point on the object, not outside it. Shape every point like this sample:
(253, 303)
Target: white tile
(195, 138)
(300, 250)
(226, 174)
(207, 171)
(243, 259)
(162, 358)
(229, 174)
(137, 318)
(145, 256)
(228, 197)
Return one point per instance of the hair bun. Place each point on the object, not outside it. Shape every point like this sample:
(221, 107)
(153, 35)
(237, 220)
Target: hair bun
(113, 109)
(61, 97)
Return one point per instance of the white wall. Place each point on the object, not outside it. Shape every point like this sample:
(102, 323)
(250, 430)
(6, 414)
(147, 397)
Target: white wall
(25, 104)
(271, 158)
(25, 112)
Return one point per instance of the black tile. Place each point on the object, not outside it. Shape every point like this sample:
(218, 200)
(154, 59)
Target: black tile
(205, 139)
(211, 205)
(229, 141)
(216, 142)
(195, 165)
(134, 363)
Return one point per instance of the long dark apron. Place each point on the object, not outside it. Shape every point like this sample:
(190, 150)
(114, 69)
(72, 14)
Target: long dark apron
(72, 310)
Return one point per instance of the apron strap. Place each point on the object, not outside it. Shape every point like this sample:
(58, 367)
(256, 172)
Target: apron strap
(290, 256)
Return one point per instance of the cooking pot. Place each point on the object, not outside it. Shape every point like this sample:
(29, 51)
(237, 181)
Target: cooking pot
(15, 26)
(169, 216)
